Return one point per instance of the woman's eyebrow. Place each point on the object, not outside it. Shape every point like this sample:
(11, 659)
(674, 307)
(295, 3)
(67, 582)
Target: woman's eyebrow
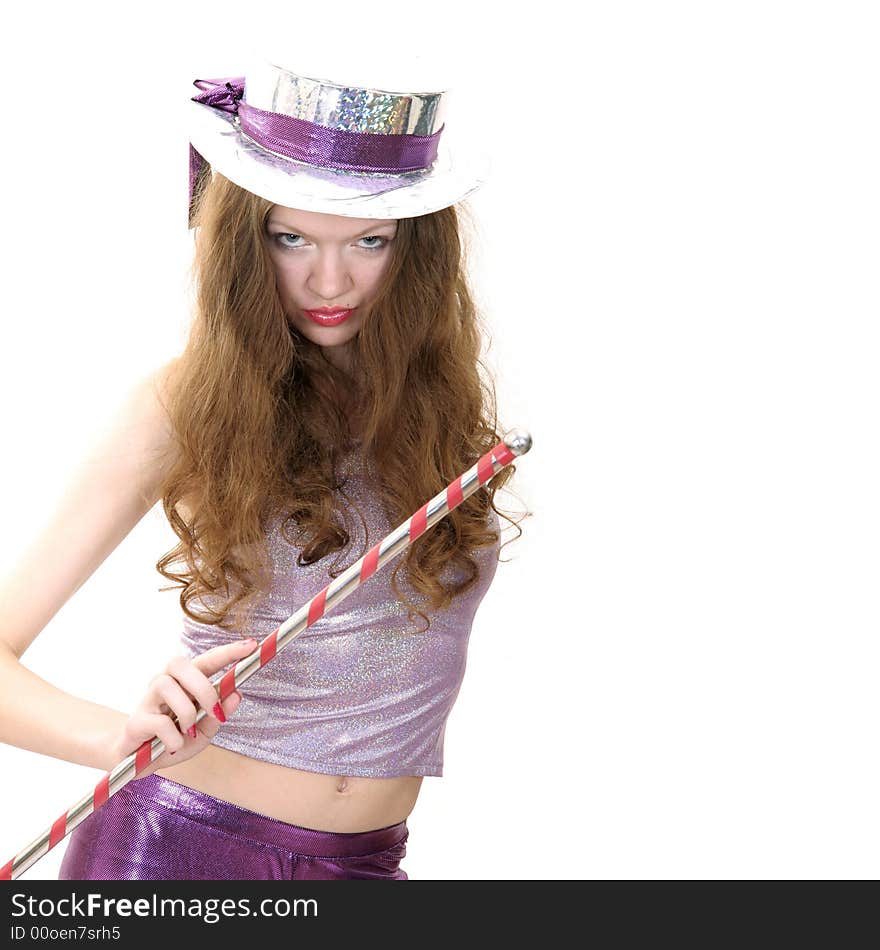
(370, 230)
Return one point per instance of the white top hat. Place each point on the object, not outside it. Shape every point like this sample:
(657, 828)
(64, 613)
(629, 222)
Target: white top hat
(316, 144)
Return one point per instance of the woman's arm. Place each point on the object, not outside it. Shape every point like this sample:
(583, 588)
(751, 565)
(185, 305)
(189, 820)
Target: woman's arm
(115, 485)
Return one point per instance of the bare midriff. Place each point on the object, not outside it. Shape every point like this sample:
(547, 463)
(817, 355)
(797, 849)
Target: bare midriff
(308, 799)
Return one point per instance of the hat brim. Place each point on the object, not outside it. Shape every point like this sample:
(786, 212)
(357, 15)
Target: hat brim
(294, 184)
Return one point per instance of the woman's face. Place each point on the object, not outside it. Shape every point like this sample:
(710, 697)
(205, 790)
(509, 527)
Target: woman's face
(330, 261)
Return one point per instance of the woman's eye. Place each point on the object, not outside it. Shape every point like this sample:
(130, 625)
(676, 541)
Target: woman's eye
(286, 240)
(282, 239)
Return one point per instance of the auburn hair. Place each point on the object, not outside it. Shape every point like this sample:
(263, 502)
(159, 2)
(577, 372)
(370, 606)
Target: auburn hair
(255, 410)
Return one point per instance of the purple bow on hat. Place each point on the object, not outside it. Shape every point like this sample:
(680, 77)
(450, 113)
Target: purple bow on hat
(220, 93)
(305, 141)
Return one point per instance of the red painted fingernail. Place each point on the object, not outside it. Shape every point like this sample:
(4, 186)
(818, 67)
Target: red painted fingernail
(218, 712)
(192, 732)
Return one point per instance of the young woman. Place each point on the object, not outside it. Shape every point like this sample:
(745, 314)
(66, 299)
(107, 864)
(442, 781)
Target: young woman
(330, 386)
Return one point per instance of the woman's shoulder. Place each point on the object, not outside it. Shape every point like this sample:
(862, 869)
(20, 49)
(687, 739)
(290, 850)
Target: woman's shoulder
(150, 421)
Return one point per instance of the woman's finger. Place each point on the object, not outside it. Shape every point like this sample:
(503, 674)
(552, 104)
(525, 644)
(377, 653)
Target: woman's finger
(178, 701)
(193, 674)
(209, 726)
(144, 725)
(215, 659)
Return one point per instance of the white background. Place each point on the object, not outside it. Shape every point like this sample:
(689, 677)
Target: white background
(676, 674)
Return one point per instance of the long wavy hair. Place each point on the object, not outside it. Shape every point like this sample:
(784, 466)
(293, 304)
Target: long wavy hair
(256, 413)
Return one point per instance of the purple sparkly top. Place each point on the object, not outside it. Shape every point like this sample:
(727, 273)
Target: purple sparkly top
(357, 692)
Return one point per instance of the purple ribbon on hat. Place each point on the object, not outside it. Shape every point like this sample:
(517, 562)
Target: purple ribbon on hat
(309, 142)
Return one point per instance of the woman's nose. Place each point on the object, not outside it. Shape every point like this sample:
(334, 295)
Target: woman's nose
(329, 278)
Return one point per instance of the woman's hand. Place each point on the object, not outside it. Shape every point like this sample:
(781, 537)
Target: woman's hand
(180, 689)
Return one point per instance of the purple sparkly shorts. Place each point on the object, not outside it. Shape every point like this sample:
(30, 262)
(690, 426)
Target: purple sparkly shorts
(154, 829)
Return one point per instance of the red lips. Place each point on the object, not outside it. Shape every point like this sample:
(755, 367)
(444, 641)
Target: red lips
(329, 316)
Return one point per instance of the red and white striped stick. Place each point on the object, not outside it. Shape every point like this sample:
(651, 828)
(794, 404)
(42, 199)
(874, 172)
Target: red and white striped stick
(516, 442)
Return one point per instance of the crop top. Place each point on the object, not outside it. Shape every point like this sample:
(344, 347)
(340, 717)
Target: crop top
(359, 692)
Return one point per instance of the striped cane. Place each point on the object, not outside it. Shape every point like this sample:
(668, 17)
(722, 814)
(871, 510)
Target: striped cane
(515, 442)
